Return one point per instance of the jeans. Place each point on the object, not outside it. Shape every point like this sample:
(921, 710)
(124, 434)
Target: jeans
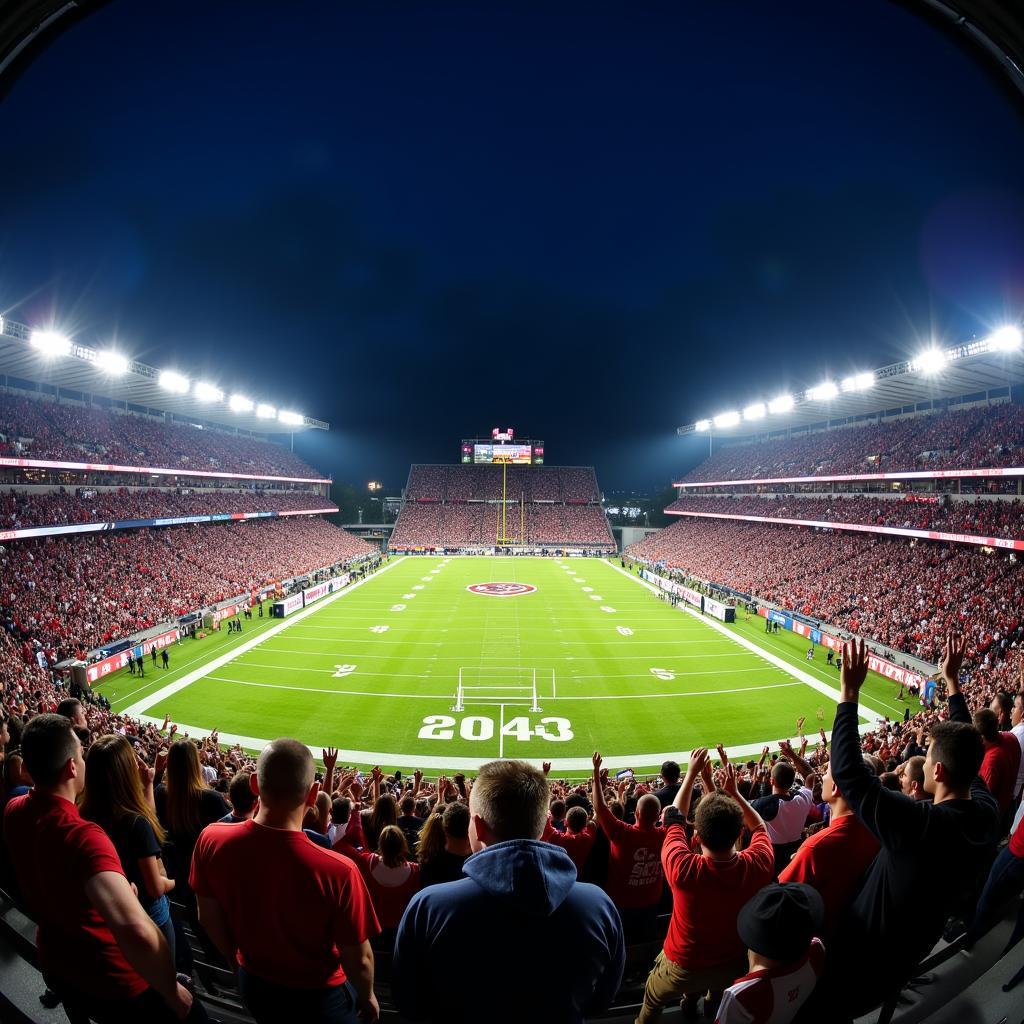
(270, 1003)
(1005, 880)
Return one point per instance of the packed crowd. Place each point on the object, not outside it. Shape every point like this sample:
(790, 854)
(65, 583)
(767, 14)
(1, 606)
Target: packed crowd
(903, 595)
(458, 525)
(981, 518)
(21, 509)
(63, 595)
(38, 428)
(484, 483)
(810, 881)
(990, 436)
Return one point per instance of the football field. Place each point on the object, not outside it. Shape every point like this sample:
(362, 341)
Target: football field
(443, 663)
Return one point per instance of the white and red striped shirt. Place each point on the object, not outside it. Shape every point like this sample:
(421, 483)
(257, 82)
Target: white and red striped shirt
(772, 996)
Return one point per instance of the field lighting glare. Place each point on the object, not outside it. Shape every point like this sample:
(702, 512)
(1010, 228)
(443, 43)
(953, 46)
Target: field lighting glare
(703, 425)
(727, 419)
(781, 404)
(859, 382)
(207, 392)
(930, 362)
(1006, 339)
(112, 362)
(239, 403)
(265, 412)
(823, 392)
(292, 419)
(171, 381)
(754, 411)
(51, 343)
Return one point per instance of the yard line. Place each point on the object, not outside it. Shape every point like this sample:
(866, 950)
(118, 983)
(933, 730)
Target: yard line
(147, 702)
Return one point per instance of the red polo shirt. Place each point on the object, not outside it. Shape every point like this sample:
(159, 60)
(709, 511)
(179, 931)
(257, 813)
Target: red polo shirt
(635, 878)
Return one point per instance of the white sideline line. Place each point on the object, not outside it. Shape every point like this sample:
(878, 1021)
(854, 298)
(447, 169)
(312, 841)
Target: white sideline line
(164, 692)
(558, 764)
(814, 684)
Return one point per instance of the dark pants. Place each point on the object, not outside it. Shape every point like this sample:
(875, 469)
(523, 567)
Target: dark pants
(148, 1007)
(1005, 880)
(271, 1004)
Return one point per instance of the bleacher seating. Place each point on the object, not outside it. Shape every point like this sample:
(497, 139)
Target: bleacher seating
(39, 428)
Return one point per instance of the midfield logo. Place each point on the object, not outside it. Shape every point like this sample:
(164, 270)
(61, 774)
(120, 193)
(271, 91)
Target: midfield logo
(501, 589)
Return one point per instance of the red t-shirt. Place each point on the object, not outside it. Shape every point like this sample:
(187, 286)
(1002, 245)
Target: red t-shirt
(389, 899)
(773, 996)
(999, 769)
(635, 877)
(707, 896)
(289, 903)
(834, 861)
(55, 852)
(577, 845)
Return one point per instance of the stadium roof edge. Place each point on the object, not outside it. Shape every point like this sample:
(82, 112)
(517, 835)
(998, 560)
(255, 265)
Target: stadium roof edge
(139, 385)
(972, 371)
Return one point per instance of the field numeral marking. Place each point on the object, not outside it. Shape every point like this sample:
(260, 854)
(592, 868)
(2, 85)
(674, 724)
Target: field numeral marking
(398, 607)
(343, 670)
(624, 630)
(379, 629)
(480, 727)
(663, 673)
(608, 608)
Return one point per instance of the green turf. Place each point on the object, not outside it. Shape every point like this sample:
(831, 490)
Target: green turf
(388, 697)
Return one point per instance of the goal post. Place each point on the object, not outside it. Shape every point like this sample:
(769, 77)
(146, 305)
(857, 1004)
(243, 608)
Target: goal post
(496, 685)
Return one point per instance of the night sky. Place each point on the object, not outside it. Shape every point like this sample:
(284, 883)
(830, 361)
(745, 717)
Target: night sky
(592, 222)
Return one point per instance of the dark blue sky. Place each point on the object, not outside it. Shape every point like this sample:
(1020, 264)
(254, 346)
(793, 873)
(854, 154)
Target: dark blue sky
(591, 222)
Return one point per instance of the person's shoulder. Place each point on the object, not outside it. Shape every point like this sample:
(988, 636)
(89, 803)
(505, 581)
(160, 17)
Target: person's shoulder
(17, 807)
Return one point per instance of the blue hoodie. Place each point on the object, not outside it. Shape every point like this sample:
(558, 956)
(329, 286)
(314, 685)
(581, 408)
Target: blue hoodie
(518, 940)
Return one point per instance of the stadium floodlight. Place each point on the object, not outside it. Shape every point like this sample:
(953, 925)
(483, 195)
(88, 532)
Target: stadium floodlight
(292, 419)
(1006, 339)
(112, 362)
(239, 403)
(171, 381)
(858, 382)
(207, 392)
(754, 411)
(726, 419)
(781, 404)
(824, 392)
(265, 412)
(51, 343)
(703, 425)
(929, 362)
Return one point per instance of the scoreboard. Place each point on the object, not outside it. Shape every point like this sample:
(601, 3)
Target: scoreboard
(501, 449)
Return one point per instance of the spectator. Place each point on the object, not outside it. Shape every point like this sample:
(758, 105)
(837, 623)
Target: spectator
(635, 877)
(577, 840)
(911, 775)
(561, 941)
(780, 925)
(71, 708)
(1004, 882)
(670, 784)
(931, 850)
(408, 821)
(833, 860)
(785, 812)
(392, 880)
(703, 952)
(316, 821)
(1000, 760)
(98, 949)
(242, 799)
(301, 939)
(118, 797)
(442, 861)
(185, 805)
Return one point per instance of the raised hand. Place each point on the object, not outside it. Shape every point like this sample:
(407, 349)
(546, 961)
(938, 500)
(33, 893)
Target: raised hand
(546, 767)
(174, 729)
(730, 784)
(855, 669)
(330, 757)
(597, 761)
(722, 755)
(699, 760)
(146, 774)
(417, 777)
(953, 660)
(160, 761)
